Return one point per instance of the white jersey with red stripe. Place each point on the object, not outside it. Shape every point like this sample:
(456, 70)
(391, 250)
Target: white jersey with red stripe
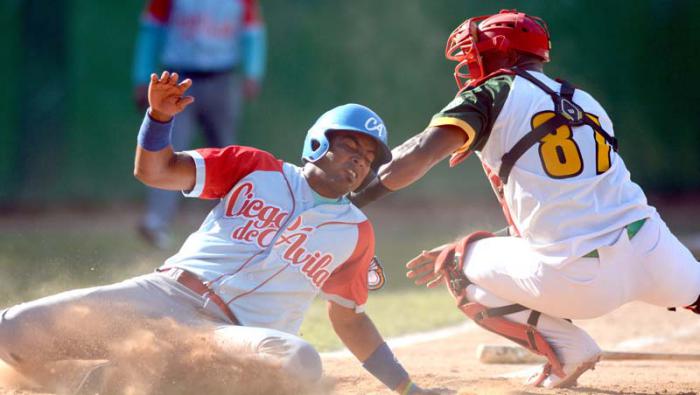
(272, 244)
(567, 195)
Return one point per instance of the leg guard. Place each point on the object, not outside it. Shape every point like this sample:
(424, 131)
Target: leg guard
(526, 336)
(450, 262)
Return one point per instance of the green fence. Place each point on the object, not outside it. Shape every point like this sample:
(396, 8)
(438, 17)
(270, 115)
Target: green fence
(67, 124)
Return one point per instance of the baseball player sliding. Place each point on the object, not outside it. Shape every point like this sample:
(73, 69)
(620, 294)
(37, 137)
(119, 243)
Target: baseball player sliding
(583, 240)
(280, 235)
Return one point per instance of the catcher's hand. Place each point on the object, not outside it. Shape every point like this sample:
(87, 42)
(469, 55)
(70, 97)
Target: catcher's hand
(421, 269)
(165, 96)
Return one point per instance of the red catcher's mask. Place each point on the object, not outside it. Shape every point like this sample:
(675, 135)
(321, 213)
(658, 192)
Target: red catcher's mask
(501, 33)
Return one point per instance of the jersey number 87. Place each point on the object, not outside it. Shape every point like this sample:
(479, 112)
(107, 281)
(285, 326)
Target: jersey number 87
(559, 153)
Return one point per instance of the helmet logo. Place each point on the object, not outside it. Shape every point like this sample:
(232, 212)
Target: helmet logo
(373, 124)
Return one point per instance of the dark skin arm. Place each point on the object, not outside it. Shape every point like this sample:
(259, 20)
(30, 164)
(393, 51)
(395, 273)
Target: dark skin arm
(360, 336)
(412, 159)
(356, 331)
(166, 169)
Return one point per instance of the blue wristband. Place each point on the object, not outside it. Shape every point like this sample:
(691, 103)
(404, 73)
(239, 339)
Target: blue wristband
(154, 135)
(384, 366)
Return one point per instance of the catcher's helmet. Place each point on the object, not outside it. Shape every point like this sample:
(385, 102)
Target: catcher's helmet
(506, 31)
(350, 117)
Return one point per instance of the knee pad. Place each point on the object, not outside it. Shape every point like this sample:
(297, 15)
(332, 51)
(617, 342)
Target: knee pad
(305, 363)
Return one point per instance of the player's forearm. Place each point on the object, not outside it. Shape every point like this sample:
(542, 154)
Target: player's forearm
(361, 337)
(356, 331)
(409, 164)
(412, 159)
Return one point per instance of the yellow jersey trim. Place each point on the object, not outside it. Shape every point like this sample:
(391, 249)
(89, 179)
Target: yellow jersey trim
(467, 128)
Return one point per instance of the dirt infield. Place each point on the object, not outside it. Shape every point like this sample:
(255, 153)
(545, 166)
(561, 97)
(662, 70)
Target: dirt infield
(451, 363)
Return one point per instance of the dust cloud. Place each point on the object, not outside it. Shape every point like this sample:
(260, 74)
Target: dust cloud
(144, 357)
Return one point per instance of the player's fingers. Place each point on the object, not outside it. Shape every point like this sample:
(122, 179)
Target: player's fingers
(154, 77)
(185, 85)
(438, 249)
(424, 279)
(184, 102)
(164, 76)
(419, 271)
(435, 281)
(419, 260)
(173, 79)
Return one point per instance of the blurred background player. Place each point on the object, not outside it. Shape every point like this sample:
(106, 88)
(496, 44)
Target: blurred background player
(280, 235)
(221, 46)
(583, 240)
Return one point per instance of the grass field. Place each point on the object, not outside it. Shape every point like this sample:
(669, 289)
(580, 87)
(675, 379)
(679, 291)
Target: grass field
(51, 251)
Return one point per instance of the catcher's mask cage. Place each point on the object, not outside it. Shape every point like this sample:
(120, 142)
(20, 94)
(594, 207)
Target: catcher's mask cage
(348, 117)
(502, 33)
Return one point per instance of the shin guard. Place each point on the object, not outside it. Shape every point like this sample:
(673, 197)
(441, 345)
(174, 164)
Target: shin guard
(450, 262)
(524, 335)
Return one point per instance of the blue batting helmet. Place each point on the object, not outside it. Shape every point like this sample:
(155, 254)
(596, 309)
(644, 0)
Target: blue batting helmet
(351, 117)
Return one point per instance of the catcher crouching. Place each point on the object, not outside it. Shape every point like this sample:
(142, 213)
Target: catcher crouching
(583, 240)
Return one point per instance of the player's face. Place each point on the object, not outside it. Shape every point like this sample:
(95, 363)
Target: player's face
(347, 162)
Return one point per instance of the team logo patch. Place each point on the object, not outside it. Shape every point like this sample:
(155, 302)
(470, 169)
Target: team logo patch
(375, 276)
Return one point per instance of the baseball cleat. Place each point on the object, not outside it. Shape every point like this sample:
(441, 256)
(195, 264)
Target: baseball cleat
(545, 378)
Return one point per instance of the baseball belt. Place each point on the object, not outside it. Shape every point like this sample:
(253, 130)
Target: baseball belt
(194, 284)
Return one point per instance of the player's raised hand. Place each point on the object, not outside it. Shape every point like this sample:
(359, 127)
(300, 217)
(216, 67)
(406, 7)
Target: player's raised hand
(421, 269)
(166, 96)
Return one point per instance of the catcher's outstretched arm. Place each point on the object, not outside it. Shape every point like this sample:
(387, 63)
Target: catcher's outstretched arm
(411, 160)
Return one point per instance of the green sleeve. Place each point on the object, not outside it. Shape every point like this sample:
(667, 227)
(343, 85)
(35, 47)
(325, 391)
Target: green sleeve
(475, 110)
